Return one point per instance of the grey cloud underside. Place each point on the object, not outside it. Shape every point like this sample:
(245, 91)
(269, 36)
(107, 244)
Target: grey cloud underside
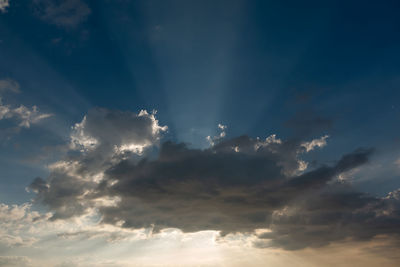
(197, 190)
(237, 185)
(333, 214)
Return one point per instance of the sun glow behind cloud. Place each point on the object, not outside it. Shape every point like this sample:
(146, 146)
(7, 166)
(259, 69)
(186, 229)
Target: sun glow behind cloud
(118, 188)
(96, 222)
(83, 242)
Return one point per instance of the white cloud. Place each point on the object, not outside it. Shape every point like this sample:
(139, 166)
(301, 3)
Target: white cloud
(28, 116)
(15, 220)
(216, 139)
(320, 142)
(23, 115)
(80, 140)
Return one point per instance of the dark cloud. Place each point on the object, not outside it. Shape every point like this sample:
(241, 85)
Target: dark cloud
(65, 13)
(62, 195)
(335, 213)
(211, 190)
(237, 185)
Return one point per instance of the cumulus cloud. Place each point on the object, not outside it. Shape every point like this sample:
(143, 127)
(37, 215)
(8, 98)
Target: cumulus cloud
(237, 185)
(4, 4)
(22, 115)
(122, 131)
(212, 189)
(102, 139)
(64, 13)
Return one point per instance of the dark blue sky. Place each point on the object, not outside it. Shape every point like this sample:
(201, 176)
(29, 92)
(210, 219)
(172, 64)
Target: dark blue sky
(300, 70)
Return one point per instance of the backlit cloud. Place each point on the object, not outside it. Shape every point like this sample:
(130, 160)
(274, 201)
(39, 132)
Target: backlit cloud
(237, 185)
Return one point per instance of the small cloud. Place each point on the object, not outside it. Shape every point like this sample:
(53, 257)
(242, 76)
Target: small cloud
(4, 4)
(67, 13)
(23, 115)
(9, 85)
(320, 142)
(215, 139)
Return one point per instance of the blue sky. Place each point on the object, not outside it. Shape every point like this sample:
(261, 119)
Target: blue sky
(298, 70)
(253, 66)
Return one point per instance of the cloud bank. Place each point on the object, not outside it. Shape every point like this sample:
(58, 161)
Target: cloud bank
(236, 185)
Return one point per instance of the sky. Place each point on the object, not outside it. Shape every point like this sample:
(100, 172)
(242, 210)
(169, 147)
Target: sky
(199, 133)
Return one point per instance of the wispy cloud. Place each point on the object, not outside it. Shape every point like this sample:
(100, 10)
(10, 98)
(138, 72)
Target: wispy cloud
(9, 85)
(23, 116)
(66, 13)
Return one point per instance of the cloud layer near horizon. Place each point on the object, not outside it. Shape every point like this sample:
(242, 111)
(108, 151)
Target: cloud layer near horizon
(237, 185)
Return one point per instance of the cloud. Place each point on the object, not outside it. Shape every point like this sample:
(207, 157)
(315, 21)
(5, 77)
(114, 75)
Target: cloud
(9, 85)
(102, 139)
(63, 13)
(222, 134)
(4, 4)
(16, 219)
(334, 214)
(17, 261)
(22, 115)
(213, 189)
(26, 116)
(122, 131)
(237, 185)
(321, 142)
(73, 241)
